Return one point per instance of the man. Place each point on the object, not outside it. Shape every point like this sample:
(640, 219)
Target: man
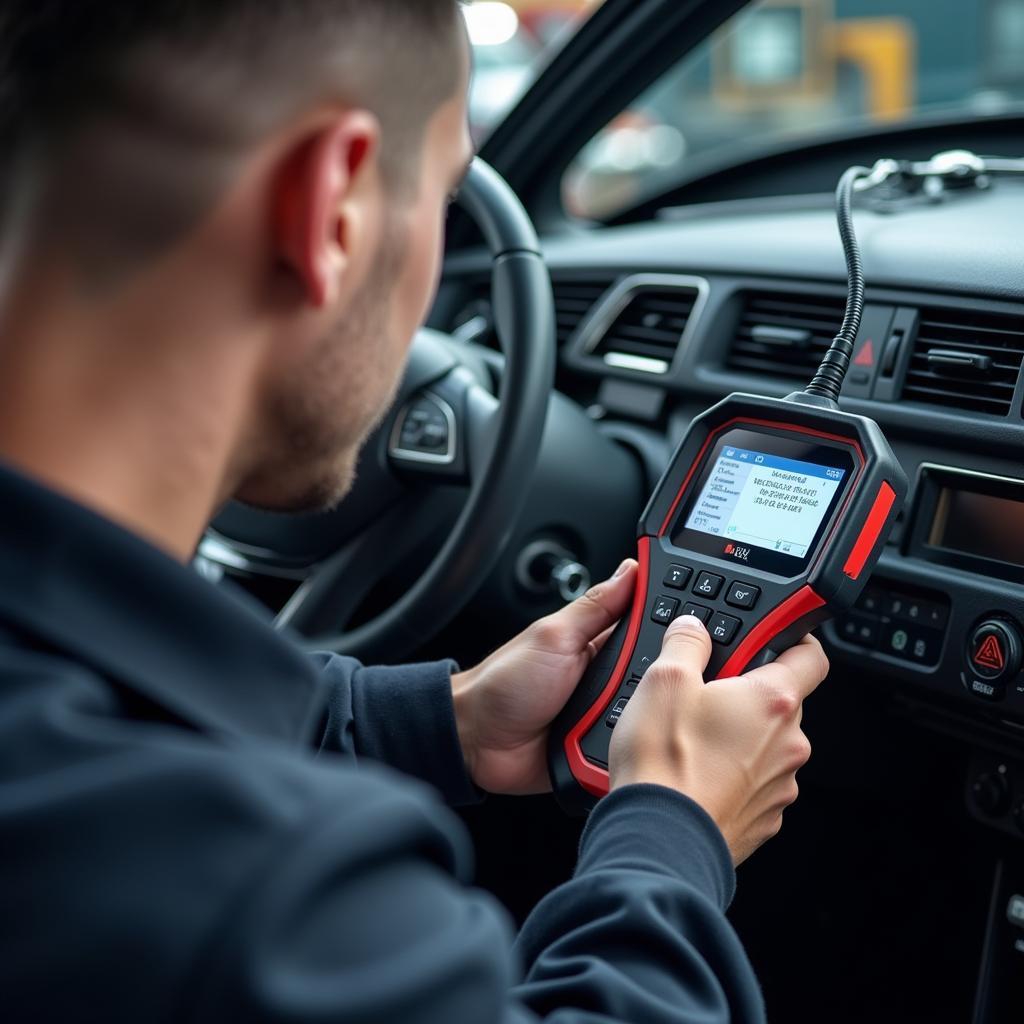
(222, 228)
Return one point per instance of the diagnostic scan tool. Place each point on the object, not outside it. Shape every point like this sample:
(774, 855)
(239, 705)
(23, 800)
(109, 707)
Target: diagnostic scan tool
(768, 521)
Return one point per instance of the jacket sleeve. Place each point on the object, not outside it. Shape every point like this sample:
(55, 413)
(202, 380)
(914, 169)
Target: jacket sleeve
(356, 913)
(400, 716)
(640, 933)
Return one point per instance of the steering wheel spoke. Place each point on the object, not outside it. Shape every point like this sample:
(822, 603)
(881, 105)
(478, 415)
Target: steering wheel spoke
(444, 432)
(322, 608)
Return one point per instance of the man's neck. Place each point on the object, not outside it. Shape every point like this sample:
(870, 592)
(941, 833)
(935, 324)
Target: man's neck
(129, 415)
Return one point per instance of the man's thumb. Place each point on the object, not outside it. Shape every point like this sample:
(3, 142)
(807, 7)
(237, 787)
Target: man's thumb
(601, 606)
(686, 646)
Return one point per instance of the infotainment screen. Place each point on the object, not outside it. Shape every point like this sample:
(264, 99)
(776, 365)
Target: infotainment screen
(984, 525)
(764, 499)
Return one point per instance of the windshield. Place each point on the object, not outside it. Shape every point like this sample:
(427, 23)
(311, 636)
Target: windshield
(511, 40)
(785, 71)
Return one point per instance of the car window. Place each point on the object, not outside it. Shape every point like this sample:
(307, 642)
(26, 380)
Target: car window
(511, 41)
(786, 70)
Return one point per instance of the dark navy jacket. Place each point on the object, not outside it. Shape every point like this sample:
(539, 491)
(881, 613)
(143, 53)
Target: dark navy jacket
(198, 822)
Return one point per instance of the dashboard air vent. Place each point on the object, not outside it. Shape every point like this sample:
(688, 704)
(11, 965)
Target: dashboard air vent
(785, 337)
(966, 359)
(575, 297)
(643, 322)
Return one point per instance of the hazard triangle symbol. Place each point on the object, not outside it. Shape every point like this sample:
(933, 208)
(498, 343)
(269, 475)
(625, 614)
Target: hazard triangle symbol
(866, 355)
(989, 654)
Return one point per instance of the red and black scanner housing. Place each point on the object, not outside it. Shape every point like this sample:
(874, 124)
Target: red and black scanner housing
(787, 596)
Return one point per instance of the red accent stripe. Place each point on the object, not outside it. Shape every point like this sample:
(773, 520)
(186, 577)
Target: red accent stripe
(870, 532)
(793, 428)
(592, 777)
(802, 603)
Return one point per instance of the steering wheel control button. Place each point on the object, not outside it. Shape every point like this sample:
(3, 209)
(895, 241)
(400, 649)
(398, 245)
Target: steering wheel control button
(697, 610)
(994, 652)
(742, 595)
(425, 431)
(616, 712)
(665, 609)
(708, 585)
(678, 576)
(723, 628)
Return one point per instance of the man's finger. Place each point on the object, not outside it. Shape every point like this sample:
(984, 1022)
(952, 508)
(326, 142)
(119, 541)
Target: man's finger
(600, 607)
(686, 647)
(800, 670)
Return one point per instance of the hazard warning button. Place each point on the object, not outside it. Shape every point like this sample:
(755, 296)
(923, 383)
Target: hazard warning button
(994, 651)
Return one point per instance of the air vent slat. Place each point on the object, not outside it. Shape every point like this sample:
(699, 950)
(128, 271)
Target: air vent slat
(998, 337)
(793, 306)
(988, 350)
(961, 386)
(815, 325)
(811, 322)
(651, 334)
(960, 400)
(575, 298)
(920, 359)
(971, 330)
(647, 325)
(638, 348)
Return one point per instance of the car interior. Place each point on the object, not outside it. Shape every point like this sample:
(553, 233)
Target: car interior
(676, 243)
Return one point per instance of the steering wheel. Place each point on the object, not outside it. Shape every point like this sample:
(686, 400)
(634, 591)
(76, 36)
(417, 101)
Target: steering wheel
(445, 429)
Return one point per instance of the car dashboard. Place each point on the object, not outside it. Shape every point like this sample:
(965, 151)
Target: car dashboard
(657, 321)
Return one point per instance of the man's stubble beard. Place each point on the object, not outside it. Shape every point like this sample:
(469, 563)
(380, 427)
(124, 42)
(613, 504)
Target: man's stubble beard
(355, 371)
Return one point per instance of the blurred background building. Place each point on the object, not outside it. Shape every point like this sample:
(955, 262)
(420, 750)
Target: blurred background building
(778, 69)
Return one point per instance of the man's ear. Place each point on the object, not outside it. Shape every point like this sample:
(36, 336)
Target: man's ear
(318, 216)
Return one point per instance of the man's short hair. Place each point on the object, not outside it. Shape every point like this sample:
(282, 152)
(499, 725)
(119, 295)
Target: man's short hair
(134, 113)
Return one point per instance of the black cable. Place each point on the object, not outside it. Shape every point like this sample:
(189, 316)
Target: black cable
(828, 381)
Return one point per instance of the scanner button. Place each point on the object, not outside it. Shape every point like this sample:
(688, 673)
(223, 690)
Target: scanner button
(723, 628)
(700, 611)
(616, 712)
(664, 610)
(708, 585)
(742, 595)
(678, 576)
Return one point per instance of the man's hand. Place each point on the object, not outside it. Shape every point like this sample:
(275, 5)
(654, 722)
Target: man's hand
(504, 706)
(732, 745)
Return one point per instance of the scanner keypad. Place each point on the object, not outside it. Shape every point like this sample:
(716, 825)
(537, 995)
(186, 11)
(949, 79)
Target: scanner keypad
(722, 622)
